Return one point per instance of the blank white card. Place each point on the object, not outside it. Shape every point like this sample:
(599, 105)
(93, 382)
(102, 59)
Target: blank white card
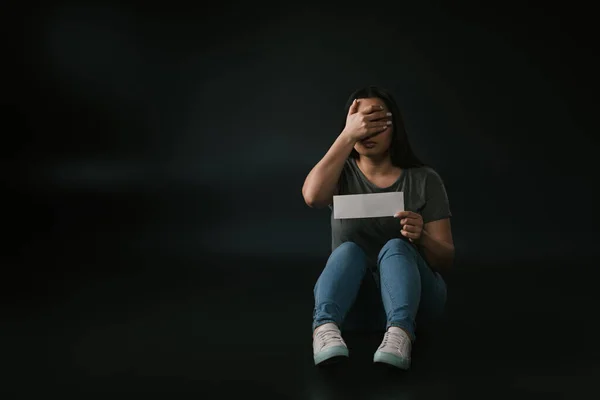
(370, 205)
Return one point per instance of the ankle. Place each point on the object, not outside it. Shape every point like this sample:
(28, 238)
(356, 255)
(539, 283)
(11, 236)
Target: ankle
(398, 330)
(325, 326)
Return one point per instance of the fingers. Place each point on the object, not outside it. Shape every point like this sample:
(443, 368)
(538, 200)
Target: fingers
(374, 116)
(372, 109)
(410, 235)
(412, 229)
(381, 124)
(412, 224)
(410, 221)
(353, 107)
(404, 214)
(373, 120)
(376, 128)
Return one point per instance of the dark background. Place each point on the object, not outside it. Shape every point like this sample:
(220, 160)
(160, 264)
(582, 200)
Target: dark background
(156, 236)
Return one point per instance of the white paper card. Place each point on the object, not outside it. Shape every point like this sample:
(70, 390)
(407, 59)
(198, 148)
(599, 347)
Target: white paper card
(370, 205)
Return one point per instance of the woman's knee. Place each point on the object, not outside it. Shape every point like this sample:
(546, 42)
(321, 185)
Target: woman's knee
(395, 247)
(348, 255)
(349, 249)
(397, 244)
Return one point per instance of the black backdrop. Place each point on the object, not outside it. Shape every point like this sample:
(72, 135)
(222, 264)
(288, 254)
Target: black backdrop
(157, 138)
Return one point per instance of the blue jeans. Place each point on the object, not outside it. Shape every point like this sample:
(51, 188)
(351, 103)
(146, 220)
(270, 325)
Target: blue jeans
(408, 285)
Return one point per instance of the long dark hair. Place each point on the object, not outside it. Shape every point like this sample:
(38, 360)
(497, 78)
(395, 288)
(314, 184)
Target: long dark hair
(401, 153)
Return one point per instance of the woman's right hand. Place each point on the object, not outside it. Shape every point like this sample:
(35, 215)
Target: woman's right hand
(366, 123)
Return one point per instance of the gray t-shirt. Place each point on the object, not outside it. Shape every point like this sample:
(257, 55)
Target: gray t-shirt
(424, 193)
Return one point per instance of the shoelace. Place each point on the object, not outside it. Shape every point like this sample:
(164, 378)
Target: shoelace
(395, 340)
(325, 337)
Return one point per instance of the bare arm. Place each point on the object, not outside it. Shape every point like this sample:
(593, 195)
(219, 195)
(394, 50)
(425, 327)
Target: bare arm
(437, 244)
(320, 184)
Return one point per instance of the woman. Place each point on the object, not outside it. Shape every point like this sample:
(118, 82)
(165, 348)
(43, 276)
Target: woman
(406, 253)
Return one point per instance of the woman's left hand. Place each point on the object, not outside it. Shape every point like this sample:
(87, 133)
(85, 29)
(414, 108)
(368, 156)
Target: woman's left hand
(412, 225)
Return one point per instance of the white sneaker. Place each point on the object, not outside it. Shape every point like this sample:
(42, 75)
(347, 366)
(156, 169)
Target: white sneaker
(328, 343)
(395, 349)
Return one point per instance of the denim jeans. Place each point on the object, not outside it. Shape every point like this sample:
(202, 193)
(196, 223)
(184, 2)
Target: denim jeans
(408, 285)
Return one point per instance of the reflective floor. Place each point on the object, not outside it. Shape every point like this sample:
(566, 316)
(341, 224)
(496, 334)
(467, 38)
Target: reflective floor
(229, 327)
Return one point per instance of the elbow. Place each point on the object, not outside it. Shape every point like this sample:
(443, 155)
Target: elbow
(448, 261)
(315, 197)
(441, 262)
(310, 203)
(309, 198)
(313, 201)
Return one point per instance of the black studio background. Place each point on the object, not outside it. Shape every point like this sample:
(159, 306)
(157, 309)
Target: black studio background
(154, 156)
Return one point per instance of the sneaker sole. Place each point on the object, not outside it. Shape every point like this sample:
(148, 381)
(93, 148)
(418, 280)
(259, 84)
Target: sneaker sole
(331, 355)
(390, 359)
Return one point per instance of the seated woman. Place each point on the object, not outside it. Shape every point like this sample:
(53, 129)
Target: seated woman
(405, 253)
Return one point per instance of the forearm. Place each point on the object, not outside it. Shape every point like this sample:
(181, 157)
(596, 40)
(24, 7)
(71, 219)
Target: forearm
(438, 254)
(319, 186)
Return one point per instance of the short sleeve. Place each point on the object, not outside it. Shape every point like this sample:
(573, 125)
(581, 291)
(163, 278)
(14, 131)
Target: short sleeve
(437, 205)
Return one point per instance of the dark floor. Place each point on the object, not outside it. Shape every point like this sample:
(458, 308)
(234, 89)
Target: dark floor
(239, 326)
